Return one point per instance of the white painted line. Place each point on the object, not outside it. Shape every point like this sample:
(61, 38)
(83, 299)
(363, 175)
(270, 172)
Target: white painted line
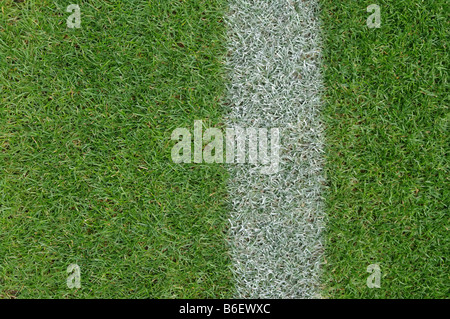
(277, 220)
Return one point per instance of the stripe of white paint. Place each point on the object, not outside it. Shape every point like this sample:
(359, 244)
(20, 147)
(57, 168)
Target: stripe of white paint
(277, 220)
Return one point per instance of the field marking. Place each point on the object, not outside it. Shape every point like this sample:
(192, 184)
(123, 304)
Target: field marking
(276, 221)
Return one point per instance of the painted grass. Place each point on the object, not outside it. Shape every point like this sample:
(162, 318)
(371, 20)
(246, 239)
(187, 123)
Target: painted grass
(85, 171)
(277, 219)
(387, 145)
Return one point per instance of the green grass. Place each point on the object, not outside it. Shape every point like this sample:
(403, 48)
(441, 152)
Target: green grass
(85, 171)
(387, 148)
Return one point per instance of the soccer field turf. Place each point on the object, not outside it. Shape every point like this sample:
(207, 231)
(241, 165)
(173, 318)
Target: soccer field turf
(87, 178)
(386, 109)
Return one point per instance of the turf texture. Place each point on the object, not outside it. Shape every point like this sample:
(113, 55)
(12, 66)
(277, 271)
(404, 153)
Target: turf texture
(85, 171)
(386, 115)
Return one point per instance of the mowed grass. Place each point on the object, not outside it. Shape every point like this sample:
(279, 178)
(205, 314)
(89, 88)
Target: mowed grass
(387, 121)
(86, 176)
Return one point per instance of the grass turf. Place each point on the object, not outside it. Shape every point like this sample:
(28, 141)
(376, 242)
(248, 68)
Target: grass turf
(387, 145)
(85, 170)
